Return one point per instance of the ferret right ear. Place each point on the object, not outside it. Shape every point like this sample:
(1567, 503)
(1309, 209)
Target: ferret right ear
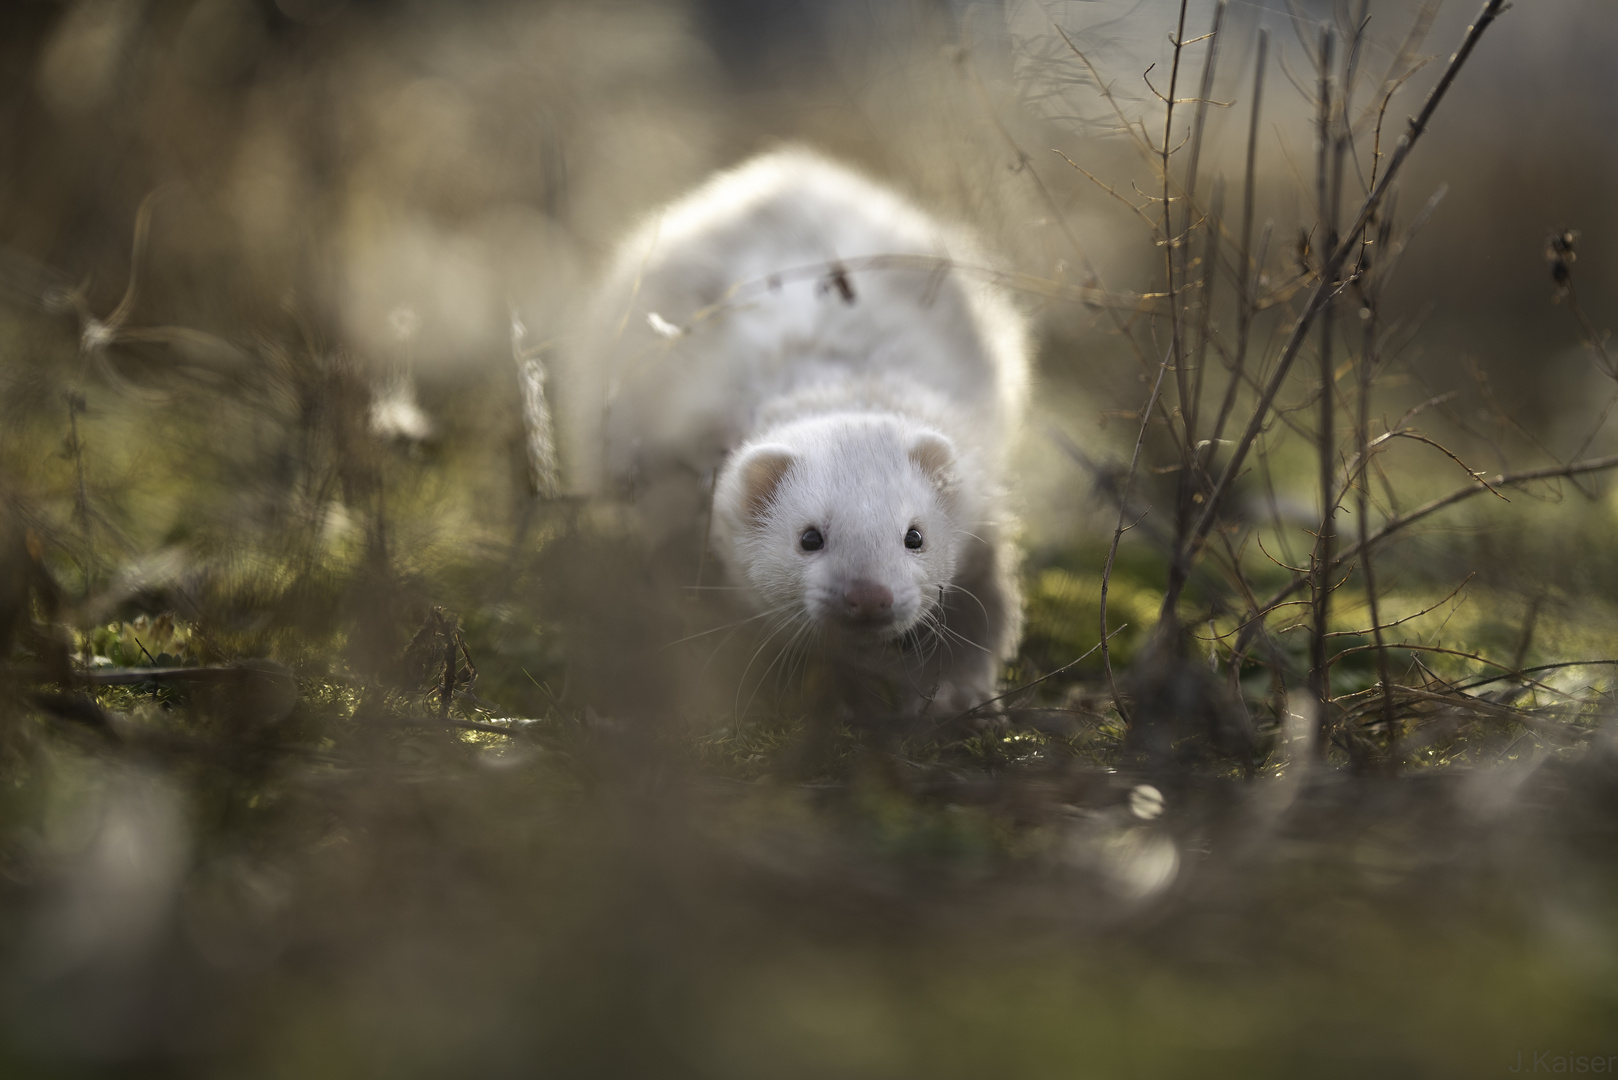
(934, 455)
(761, 472)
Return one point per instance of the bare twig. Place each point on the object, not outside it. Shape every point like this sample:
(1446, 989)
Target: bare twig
(1125, 124)
(1518, 671)
(1138, 211)
(1429, 609)
(1410, 517)
(1418, 647)
(1323, 292)
(1031, 683)
(1173, 261)
(1203, 100)
(1118, 533)
(1248, 273)
(1026, 163)
(1371, 296)
(1210, 259)
(1328, 181)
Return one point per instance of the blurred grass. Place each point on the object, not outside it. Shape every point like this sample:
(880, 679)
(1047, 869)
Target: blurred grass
(434, 906)
(367, 893)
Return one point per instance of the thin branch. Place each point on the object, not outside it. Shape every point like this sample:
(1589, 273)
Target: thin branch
(1210, 260)
(1323, 291)
(1402, 521)
(1428, 610)
(1030, 684)
(1516, 672)
(1139, 212)
(1476, 474)
(1247, 278)
(1417, 647)
(1371, 288)
(1174, 261)
(1143, 144)
(1118, 532)
(1328, 180)
(1202, 100)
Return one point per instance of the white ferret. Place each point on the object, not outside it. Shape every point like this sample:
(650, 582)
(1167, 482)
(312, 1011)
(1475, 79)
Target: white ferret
(837, 365)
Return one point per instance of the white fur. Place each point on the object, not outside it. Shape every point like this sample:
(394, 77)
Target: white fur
(851, 480)
(795, 322)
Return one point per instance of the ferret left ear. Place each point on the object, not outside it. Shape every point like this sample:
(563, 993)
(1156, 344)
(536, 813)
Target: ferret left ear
(761, 472)
(935, 456)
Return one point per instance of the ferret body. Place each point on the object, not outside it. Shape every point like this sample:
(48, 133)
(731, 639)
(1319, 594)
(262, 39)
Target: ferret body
(835, 363)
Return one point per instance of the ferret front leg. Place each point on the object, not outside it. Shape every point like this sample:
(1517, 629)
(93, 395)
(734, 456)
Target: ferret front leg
(979, 625)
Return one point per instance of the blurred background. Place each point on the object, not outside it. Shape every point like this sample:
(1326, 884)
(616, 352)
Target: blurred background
(264, 266)
(401, 178)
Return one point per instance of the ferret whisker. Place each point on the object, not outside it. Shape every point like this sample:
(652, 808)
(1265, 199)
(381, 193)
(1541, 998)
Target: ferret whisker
(783, 610)
(962, 638)
(966, 591)
(739, 709)
(929, 644)
(777, 665)
(781, 662)
(798, 651)
(717, 629)
(963, 589)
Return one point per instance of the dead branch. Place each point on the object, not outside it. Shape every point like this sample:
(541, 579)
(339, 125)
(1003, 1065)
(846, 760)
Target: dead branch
(1323, 292)
(1401, 521)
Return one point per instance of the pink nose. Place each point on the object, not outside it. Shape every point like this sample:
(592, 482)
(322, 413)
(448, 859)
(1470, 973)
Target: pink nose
(868, 602)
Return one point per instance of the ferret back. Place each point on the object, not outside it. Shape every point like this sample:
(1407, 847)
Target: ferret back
(784, 273)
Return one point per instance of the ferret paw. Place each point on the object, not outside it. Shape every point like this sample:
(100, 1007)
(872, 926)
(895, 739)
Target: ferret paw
(951, 700)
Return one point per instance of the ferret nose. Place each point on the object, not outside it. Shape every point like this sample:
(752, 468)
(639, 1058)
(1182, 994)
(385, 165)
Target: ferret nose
(867, 601)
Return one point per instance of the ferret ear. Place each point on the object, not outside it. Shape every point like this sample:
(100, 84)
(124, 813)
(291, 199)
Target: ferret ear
(761, 472)
(935, 456)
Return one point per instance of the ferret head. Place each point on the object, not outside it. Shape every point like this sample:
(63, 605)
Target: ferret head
(853, 522)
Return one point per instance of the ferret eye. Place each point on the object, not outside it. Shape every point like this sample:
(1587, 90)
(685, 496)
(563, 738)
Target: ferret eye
(913, 539)
(811, 540)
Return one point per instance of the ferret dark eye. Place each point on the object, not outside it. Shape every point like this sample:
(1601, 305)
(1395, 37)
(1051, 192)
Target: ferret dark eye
(913, 539)
(811, 540)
